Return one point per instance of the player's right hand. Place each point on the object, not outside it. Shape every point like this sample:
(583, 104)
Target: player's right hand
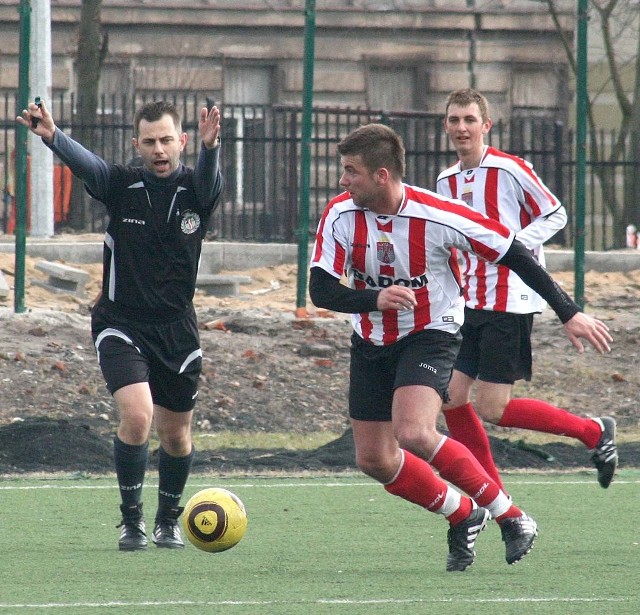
(45, 128)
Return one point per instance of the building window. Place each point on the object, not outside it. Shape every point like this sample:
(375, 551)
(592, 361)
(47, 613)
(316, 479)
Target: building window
(246, 163)
(537, 91)
(115, 79)
(248, 85)
(399, 88)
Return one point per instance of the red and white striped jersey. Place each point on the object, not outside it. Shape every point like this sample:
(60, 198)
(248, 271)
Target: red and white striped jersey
(416, 248)
(507, 189)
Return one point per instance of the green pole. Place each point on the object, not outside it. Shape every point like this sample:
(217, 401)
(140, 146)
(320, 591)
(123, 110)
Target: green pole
(22, 134)
(307, 103)
(581, 149)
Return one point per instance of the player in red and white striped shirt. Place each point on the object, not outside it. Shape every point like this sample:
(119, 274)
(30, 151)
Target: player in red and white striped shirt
(496, 346)
(396, 245)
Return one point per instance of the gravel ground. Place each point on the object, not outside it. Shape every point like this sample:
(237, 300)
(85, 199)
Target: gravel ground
(267, 371)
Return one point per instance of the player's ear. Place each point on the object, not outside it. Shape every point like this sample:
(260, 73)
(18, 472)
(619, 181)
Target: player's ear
(183, 140)
(486, 127)
(382, 175)
(135, 144)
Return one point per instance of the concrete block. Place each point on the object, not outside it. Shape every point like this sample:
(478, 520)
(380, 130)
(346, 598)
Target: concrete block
(237, 257)
(62, 278)
(4, 287)
(212, 257)
(220, 285)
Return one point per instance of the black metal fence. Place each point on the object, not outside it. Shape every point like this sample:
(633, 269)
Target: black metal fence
(261, 163)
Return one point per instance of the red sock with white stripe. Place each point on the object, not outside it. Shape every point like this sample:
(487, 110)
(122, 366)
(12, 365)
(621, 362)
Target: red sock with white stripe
(416, 482)
(457, 465)
(466, 427)
(538, 415)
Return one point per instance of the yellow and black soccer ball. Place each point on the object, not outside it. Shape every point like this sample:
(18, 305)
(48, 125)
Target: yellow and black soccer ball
(214, 519)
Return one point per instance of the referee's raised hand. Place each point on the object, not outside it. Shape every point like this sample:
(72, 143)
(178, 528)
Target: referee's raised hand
(38, 120)
(209, 127)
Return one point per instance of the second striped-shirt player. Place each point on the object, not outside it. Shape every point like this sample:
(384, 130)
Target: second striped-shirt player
(499, 310)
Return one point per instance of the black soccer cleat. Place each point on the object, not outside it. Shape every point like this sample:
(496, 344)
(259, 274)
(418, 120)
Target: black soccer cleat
(518, 534)
(166, 533)
(461, 539)
(133, 535)
(605, 454)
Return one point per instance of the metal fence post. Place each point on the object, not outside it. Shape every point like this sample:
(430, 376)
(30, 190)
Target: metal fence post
(22, 134)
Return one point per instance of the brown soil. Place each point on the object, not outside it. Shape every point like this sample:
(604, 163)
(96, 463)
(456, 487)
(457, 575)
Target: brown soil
(267, 371)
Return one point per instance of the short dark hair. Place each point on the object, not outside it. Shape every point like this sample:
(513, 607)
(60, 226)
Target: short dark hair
(466, 97)
(379, 146)
(153, 111)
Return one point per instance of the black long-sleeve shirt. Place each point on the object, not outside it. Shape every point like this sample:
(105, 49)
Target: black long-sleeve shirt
(153, 241)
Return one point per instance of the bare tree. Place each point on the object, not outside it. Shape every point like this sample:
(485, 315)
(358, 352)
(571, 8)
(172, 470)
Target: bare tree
(92, 49)
(616, 18)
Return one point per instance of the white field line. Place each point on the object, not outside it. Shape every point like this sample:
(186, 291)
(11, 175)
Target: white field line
(340, 601)
(276, 485)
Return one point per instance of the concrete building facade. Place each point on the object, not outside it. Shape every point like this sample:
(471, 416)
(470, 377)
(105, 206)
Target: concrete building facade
(385, 54)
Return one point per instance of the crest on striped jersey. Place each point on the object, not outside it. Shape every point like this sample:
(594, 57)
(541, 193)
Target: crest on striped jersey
(385, 252)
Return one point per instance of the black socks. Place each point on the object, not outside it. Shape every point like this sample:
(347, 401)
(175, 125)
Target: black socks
(131, 465)
(173, 473)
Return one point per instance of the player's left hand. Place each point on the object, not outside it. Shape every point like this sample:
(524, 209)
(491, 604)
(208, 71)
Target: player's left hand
(209, 127)
(583, 326)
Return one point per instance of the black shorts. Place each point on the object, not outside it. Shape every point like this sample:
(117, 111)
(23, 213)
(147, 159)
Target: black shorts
(496, 346)
(425, 358)
(167, 356)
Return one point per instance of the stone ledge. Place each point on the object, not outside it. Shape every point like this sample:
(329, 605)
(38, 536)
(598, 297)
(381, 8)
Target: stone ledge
(230, 256)
(221, 285)
(62, 278)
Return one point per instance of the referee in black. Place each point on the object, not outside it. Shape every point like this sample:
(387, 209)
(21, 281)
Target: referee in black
(144, 324)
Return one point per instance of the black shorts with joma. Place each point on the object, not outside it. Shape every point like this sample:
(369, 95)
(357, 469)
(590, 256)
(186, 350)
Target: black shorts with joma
(496, 346)
(166, 355)
(424, 358)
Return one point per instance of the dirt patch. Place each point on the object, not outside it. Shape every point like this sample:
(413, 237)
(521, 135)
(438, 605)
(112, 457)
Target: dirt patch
(267, 371)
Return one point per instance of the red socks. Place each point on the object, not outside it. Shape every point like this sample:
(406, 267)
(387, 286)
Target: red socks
(457, 465)
(466, 427)
(417, 483)
(538, 415)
